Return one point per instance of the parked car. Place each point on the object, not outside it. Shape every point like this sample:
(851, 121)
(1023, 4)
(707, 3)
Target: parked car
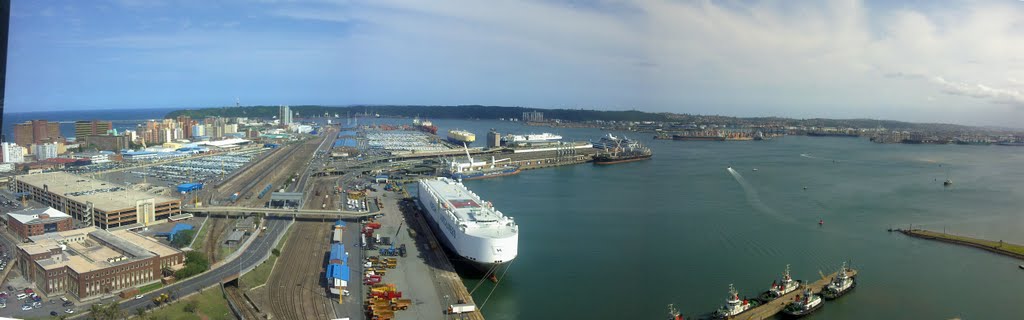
(69, 311)
(53, 313)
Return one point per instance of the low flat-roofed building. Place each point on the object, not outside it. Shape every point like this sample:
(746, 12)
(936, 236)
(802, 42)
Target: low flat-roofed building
(90, 262)
(100, 203)
(36, 221)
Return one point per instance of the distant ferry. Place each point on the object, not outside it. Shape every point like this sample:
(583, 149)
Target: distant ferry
(468, 226)
(460, 136)
(522, 138)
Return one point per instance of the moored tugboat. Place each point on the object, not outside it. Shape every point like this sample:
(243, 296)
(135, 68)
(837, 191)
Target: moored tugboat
(781, 288)
(840, 285)
(804, 305)
(734, 306)
(673, 313)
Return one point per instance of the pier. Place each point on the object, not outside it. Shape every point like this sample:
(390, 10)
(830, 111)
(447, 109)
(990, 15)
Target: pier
(768, 310)
(1000, 247)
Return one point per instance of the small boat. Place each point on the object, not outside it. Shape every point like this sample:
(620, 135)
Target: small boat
(673, 313)
(781, 288)
(734, 306)
(947, 183)
(840, 285)
(821, 222)
(804, 305)
(755, 169)
(1021, 266)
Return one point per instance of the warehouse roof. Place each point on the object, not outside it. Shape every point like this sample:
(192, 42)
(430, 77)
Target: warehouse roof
(105, 196)
(90, 249)
(38, 215)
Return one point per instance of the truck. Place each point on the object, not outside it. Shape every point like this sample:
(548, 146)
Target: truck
(162, 298)
(400, 304)
(401, 250)
(461, 308)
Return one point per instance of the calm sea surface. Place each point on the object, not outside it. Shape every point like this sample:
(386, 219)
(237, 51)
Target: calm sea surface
(623, 241)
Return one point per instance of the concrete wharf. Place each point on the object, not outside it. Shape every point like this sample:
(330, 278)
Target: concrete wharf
(768, 310)
(449, 282)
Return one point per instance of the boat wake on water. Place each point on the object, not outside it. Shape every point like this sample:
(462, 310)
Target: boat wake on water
(754, 199)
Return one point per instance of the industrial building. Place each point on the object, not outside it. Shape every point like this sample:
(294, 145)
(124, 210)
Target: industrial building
(96, 202)
(33, 222)
(87, 263)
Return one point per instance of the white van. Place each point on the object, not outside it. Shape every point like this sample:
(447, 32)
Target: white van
(22, 296)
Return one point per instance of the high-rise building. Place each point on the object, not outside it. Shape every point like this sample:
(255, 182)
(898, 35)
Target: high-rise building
(284, 114)
(493, 139)
(36, 131)
(198, 130)
(12, 152)
(106, 142)
(45, 151)
(85, 128)
(533, 116)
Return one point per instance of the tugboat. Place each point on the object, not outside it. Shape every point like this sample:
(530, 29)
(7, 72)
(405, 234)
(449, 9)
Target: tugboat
(805, 304)
(781, 288)
(734, 306)
(839, 286)
(673, 313)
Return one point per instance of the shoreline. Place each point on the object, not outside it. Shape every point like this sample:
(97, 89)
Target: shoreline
(999, 247)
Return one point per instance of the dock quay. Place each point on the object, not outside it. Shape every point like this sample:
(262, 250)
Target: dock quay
(448, 283)
(1000, 247)
(770, 309)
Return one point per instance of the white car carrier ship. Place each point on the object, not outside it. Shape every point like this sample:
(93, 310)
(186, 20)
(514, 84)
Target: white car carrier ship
(467, 225)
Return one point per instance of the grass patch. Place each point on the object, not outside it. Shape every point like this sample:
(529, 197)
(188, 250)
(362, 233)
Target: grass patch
(201, 236)
(1009, 247)
(150, 287)
(212, 305)
(260, 274)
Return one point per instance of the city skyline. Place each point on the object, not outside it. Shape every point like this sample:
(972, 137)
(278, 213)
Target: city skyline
(850, 59)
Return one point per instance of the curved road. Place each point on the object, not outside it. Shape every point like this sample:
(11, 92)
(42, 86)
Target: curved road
(250, 257)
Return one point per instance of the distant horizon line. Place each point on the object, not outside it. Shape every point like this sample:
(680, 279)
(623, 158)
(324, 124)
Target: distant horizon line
(460, 105)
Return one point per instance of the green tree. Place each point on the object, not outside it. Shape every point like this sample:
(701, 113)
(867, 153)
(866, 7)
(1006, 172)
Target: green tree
(183, 238)
(140, 312)
(195, 263)
(192, 306)
(275, 252)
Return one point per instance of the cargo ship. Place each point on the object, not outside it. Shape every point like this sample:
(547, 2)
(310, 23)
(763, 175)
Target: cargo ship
(610, 141)
(468, 226)
(706, 135)
(424, 125)
(460, 136)
(624, 150)
(470, 169)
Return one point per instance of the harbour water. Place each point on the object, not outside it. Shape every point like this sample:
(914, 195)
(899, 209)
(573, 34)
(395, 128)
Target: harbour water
(623, 241)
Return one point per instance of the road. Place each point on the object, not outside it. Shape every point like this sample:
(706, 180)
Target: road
(250, 257)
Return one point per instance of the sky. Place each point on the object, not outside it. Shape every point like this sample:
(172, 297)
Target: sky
(924, 61)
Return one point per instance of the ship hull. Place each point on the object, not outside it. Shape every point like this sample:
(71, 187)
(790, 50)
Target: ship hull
(696, 138)
(476, 267)
(485, 175)
(476, 251)
(460, 141)
(606, 161)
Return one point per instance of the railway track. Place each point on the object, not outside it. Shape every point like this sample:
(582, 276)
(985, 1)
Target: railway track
(296, 285)
(243, 305)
